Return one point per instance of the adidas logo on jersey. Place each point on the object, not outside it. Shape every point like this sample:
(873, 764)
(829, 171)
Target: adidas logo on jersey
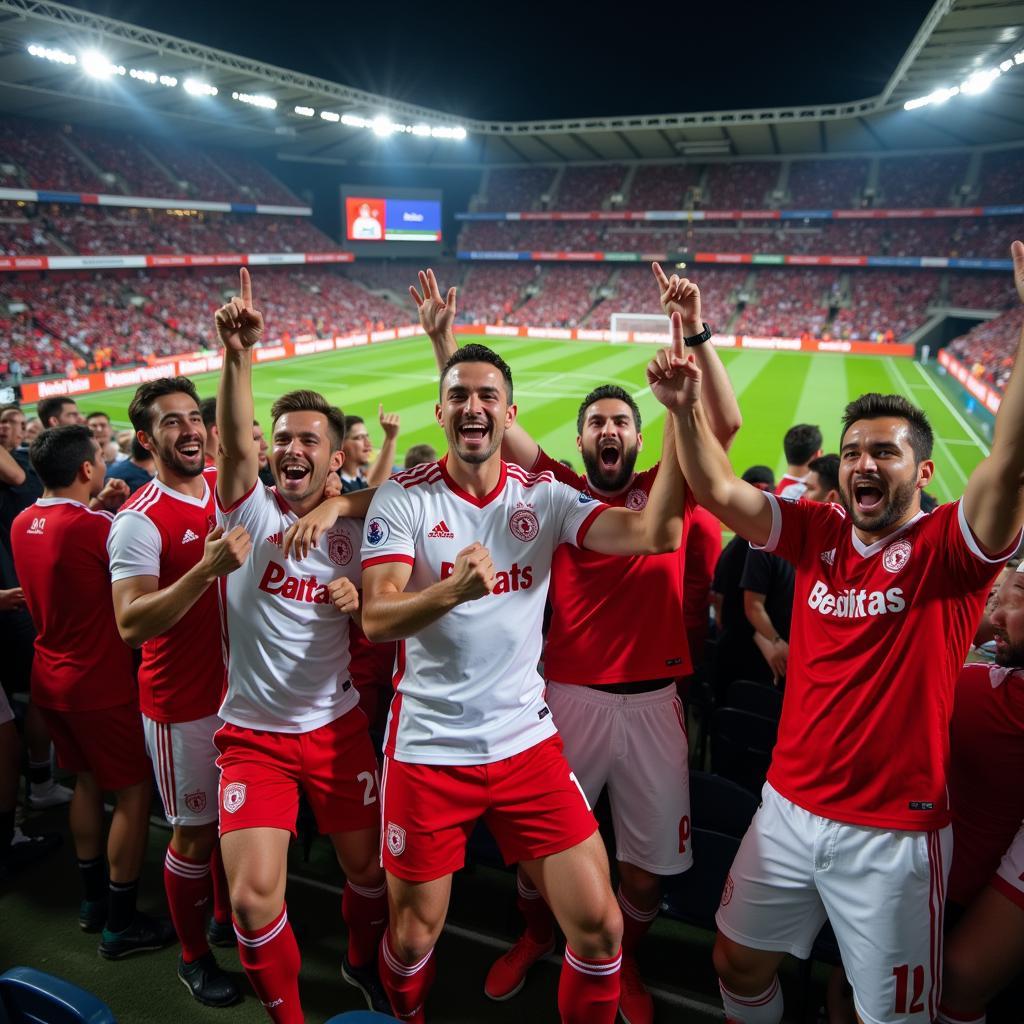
(515, 578)
(441, 532)
(307, 589)
(829, 557)
(855, 604)
(189, 537)
(275, 539)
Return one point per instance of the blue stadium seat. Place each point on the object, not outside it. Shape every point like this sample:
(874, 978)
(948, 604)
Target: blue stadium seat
(757, 698)
(34, 997)
(693, 896)
(361, 1017)
(720, 805)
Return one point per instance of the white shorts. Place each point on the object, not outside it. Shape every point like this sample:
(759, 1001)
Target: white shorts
(883, 892)
(1009, 877)
(6, 711)
(635, 744)
(185, 763)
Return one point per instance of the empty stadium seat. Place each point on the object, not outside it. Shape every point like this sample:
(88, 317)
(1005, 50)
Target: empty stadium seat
(758, 698)
(34, 997)
(720, 805)
(693, 897)
(741, 746)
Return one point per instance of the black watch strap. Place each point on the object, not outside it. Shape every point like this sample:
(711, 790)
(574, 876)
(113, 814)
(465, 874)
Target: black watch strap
(698, 339)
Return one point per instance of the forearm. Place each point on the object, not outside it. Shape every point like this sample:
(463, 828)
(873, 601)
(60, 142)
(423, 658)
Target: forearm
(662, 517)
(235, 410)
(717, 395)
(758, 617)
(381, 469)
(150, 615)
(444, 345)
(703, 461)
(11, 473)
(396, 615)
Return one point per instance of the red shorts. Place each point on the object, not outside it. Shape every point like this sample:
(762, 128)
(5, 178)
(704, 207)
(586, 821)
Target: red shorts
(531, 802)
(261, 774)
(108, 743)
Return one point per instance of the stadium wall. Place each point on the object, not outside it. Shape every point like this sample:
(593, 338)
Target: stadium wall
(977, 389)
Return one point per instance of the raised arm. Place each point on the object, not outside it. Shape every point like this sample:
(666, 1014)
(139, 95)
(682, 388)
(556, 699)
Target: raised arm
(993, 503)
(437, 318)
(381, 468)
(679, 295)
(239, 326)
(11, 473)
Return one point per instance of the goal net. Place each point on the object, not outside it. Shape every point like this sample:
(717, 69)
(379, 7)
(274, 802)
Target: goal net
(652, 328)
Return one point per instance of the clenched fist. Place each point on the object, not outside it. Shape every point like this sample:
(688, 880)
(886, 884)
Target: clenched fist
(224, 553)
(114, 494)
(344, 595)
(473, 575)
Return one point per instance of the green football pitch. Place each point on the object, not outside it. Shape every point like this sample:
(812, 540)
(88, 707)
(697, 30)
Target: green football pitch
(775, 390)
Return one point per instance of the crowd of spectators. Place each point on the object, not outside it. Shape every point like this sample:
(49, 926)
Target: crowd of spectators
(886, 305)
(988, 349)
(516, 188)
(588, 187)
(566, 296)
(26, 350)
(826, 184)
(43, 159)
(1002, 177)
(980, 291)
(491, 291)
(915, 181)
(662, 186)
(789, 303)
(745, 185)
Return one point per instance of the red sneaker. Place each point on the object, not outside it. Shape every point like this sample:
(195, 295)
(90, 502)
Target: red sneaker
(635, 1003)
(507, 975)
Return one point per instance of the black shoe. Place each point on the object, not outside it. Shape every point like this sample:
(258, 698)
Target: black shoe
(92, 915)
(222, 935)
(367, 980)
(208, 984)
(144, 934)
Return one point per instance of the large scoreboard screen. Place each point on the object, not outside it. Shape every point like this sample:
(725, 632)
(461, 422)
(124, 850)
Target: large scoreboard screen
(391, 221)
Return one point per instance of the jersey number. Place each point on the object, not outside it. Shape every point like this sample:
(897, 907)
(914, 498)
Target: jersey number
(902, 974)
(372, 784)
(576, 783)
(684, 832)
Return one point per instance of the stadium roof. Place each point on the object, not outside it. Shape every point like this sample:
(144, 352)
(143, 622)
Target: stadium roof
(957, 38)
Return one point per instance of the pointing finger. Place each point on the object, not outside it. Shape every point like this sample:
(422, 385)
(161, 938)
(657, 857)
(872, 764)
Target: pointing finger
(659, 275)
(677, 336)
(246, 283)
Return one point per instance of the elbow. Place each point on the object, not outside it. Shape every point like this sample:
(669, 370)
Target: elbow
(373, 629)
(667, 540)
(132, 637)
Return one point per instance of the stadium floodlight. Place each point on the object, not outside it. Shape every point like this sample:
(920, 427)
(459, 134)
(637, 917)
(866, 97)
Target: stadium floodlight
(305, 111)
(194, 87)
(422, 130)
(95, 65)
(979, 81)
(1006, 65)
(330, 115)
(1018, 58)
(354, 121)
(169, 80)
(149, 77)
(255, 100)
(52, 54)
(383, 126)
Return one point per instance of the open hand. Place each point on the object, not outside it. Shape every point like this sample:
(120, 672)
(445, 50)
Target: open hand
(305, 533)
(673, 376)
(239, 323)
(437, 315)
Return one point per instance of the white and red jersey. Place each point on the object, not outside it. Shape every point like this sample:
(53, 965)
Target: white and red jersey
(81, 663)
(591, 593)
(985, 771)
(161, 532)
(286, 645)
(878, 637)
(791, 487)
(467, 686)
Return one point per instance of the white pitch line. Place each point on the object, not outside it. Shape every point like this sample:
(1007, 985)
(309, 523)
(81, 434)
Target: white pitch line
(968, 429)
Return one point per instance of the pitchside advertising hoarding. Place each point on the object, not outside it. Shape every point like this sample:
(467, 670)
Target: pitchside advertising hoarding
(392, 221)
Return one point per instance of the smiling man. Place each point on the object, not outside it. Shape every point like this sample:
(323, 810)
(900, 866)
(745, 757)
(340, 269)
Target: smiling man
(854, 820)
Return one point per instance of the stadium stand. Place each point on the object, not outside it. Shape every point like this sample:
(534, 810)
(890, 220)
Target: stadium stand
(566, 295)
(914, 181)
(988, 349)
(491, 292)
(885, 306)
(826, 184)
(516, 188)
(588, 187)
(741, 186)
(1002, 177)
(979, 291)
(789, 303)
(662, 186)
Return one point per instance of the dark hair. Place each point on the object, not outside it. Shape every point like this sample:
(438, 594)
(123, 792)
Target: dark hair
(140, 412)
(208, 409)
(760, 476)
(140, 453)
(801, 443)
(827, 468)
(93, 416)
(418, 454)
(49, 408)
(352, 421)
(57, 454)
(874, 406)
(608, 391)
(477, 354)
(311, 401)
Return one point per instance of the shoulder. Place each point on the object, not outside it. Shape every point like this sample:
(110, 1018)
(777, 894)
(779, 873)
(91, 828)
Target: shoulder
(418, 476)
(210, 473)
(524, 478)
(142, 500)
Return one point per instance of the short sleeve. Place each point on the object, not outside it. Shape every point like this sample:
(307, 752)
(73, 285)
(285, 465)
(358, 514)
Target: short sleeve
(387, 529)
(133, 546)
(795, 524)
(757, 572)
(250, 511)
(968, 563)
(575, 512)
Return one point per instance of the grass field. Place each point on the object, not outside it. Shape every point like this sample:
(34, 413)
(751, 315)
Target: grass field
(775, 390)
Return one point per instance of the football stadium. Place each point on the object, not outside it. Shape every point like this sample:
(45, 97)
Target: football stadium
(488, 540)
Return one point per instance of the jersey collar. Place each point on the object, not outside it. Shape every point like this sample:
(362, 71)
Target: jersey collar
(181, 496)
(465, 495)
(867, 550)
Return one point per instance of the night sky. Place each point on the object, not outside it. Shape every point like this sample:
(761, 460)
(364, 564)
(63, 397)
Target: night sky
(532, 61)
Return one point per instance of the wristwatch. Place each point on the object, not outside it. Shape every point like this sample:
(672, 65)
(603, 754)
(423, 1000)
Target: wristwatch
(698, 339)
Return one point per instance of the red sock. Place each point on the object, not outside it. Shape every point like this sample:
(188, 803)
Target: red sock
(365, 912)
(188, 896)
(221, 892)
(588, 990)
(271, 960)
(540, 923)
(407, 985)
(635, 923)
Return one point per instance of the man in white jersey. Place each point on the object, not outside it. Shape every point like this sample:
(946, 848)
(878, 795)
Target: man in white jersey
(291, 713)
(456, 563)
(854, 820)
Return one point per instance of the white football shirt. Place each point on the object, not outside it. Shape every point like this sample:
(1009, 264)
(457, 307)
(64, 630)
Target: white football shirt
(467, 686)
(285, 644)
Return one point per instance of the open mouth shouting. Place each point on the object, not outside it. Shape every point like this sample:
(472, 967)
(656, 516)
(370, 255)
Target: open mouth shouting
(474, 434)
(609, 453)
(294, 475)
(189, 449)
(868, 496)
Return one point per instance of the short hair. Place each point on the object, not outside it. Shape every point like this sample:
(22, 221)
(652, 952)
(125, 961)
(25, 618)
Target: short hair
(874, 406)
(801, 443)
(827, 468)
(760, 476)
(57, 454)
(93, 416)
(208, 409)
(49, 408)
(418, 454)
(477, 354)
(140, 453)
(140, 412)
(608, 391)
(352, 421)
(311, 401)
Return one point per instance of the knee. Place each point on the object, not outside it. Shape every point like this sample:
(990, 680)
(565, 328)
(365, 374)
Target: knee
(739, 968)
(363, 868)
(412, 938)
(962, 976)
(599, 931)
(254, 902)
(195, 841)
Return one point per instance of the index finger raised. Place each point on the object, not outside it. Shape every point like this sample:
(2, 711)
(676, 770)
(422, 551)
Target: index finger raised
(659, 274)
(246, 285)
(678, 349)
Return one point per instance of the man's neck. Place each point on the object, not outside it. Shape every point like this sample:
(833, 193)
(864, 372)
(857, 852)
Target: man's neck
(76, 492)
(867, 539)
(476, 478)
(797, 472)
(193, 486)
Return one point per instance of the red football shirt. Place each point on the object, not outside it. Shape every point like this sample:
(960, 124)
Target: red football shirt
(703, 544)
(615, 619)
(879, 635)
(161, 532)
(81, 663)
(985, 771)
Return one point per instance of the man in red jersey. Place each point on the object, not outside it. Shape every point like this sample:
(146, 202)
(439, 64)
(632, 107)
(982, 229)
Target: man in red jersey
(801, 444)
(83, 681)
(985, 949)
(612, 691)
(164, 555)
(854, 821)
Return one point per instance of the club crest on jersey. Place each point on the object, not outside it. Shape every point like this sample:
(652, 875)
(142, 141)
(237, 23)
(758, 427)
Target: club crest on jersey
(896, 556)
(196, 801)
(727, 891)
(524, 524)
(636, 499)
(234, 796)
(396, 839)
(377, 531)
(339, 548)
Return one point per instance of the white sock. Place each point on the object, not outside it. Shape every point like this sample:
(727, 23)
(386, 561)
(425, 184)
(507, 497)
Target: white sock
(765, 1008)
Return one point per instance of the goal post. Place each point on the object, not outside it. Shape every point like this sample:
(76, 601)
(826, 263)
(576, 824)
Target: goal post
(651, 328)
